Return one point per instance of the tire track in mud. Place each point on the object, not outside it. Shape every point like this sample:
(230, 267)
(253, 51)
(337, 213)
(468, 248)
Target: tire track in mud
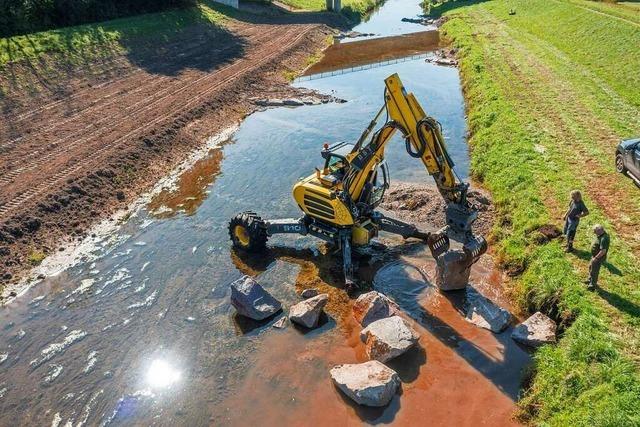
(124, 114)
(95, 157)
(141, 85)
(247, 35)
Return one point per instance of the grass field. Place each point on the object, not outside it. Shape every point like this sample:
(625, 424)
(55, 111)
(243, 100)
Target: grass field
(355, 10)
(82, 42)
(550, 91)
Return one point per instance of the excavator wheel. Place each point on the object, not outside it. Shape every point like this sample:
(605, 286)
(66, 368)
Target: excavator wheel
(248, 232)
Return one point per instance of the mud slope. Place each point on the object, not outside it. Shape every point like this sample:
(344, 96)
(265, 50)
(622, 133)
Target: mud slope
(81, 142)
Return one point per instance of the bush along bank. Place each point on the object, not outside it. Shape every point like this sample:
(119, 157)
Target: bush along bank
(590, 377)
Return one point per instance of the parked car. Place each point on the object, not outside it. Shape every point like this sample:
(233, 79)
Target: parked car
(628, 158)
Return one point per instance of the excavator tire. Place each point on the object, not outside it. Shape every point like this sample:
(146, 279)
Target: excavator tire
(248, 232)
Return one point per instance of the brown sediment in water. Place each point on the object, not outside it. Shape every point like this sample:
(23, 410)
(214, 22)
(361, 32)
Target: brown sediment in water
(190, 190)
(459, 375)
(353, 54)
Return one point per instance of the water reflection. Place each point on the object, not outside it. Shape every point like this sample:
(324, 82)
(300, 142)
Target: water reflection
(190, 190)
(161, 374)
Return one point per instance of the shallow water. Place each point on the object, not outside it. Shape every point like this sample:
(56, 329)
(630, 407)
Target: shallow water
(387, 20)
(142, 331)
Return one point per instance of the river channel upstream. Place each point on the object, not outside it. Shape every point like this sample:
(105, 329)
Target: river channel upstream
(141, 331)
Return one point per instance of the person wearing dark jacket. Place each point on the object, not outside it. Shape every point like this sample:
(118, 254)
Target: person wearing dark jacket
(599, 250)
(577, 209)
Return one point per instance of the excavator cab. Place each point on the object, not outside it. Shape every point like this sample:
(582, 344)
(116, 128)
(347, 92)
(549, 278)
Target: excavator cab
(335, 164)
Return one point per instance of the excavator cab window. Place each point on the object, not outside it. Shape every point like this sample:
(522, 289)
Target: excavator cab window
(380, 181)
(336, 164)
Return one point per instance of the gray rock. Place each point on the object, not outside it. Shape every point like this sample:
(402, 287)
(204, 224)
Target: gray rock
(293, 102)
(307, 313)
(251, 300)
(482, 312)
(370, 383)
(388, 338)
(535, 331)
(309, 293)
(452, 271)
(373, 306)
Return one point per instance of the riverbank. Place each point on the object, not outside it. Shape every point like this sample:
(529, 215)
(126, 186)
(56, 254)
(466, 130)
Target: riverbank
(94, 115)
(539, 99)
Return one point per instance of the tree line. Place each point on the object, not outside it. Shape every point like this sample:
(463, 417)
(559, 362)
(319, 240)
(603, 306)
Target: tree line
(27, 16)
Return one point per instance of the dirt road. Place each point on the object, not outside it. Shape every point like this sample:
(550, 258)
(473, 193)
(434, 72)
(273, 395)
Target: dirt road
(75, 148)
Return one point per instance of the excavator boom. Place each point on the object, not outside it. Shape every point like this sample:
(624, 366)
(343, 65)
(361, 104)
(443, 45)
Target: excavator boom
(423, 140)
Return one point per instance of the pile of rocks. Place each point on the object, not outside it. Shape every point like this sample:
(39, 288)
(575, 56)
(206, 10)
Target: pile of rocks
(444, 57)
(352, 35)
(424, 21)
(253, 301)
(296, 101)
(386, 336)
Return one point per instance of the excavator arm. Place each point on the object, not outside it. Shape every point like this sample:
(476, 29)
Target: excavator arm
(423, 140)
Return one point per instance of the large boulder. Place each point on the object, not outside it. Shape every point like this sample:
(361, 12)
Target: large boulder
(388, 338)
(482, 312)
(535, 331)
(370, 383)
(452, 270)
(251, 300)
(307, 313)
(373, 306)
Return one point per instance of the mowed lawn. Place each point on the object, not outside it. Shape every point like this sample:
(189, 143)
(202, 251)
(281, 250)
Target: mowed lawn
(550, 92)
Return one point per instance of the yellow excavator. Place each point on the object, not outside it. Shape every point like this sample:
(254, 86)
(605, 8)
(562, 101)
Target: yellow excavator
(339, 201)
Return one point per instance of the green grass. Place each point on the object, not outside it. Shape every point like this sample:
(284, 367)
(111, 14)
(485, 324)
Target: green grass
(549, 92)
(36, 257)
(104, 39)
(355, 10)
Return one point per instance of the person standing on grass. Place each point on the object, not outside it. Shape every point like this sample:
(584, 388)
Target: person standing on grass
(577, 209)
(599, 249)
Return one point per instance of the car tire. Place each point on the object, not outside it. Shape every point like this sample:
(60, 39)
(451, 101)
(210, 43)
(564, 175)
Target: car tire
(620, 164)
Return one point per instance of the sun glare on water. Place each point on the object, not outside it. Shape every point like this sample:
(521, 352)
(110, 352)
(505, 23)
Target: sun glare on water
(161, 374)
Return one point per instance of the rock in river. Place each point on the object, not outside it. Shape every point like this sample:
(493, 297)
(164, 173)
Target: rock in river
(309, 293)
(370, 383)
(388, 338)
(307, 313)
(452, 271)
(251, 300)
(482, 312)
(373, 306)
(535, 331)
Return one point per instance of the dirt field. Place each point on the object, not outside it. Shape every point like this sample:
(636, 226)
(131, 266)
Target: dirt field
(82, 142)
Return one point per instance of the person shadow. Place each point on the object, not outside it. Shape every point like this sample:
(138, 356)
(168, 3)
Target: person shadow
(586, 256)
(619, 302)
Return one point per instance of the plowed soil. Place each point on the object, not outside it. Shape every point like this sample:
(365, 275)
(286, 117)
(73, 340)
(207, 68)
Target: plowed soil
(83, 142)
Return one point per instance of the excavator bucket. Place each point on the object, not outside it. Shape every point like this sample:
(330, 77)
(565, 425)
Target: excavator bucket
(474, 248)
(438, 243)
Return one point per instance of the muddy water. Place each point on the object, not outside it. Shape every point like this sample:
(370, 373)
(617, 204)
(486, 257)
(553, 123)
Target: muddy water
(141, 331)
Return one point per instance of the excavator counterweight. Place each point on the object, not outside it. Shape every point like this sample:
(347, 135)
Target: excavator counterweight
(339, 201)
